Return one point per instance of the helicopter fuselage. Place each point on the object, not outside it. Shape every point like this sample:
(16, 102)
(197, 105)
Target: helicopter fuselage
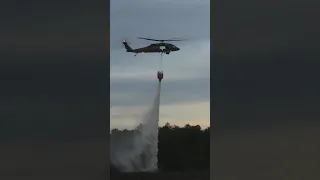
(153, 48)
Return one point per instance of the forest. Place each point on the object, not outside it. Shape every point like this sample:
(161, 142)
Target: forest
(181, 149)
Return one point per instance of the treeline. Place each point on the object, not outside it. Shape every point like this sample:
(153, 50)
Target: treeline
(184, 148)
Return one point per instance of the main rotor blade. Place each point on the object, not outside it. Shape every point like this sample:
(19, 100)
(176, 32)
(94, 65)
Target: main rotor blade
(149, 39)
(161, 40)
(174, 40)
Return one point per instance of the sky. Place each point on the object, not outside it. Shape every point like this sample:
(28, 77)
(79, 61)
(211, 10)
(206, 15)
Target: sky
(185, 93)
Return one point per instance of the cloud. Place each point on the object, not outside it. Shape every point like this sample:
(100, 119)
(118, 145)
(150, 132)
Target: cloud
(192, 61)
(197, 113)
(140, 93)
(186, 72)
(158, 19)
(186, 77)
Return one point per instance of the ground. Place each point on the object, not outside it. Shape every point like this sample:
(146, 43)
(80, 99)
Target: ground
(162, 176)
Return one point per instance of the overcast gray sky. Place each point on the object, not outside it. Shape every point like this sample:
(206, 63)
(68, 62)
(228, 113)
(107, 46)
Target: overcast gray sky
(186, 86)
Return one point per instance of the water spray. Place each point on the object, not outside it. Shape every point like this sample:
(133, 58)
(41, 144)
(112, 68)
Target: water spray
(138, 151)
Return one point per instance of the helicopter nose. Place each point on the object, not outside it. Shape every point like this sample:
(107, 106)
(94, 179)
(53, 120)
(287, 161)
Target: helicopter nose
(177, 49)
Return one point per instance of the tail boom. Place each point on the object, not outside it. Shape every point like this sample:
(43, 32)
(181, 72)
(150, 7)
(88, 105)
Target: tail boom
(129, 49)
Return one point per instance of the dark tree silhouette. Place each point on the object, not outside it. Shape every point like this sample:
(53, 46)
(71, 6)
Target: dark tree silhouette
(180, 148)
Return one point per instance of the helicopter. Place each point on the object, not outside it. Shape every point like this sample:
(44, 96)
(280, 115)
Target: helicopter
(161, 47)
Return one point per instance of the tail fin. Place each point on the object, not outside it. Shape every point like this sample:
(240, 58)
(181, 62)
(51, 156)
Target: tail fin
(129, 49)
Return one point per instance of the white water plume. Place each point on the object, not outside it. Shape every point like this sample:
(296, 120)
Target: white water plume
(136, 151)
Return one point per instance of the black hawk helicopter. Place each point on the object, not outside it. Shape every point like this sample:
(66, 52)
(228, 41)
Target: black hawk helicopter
(161, 47)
